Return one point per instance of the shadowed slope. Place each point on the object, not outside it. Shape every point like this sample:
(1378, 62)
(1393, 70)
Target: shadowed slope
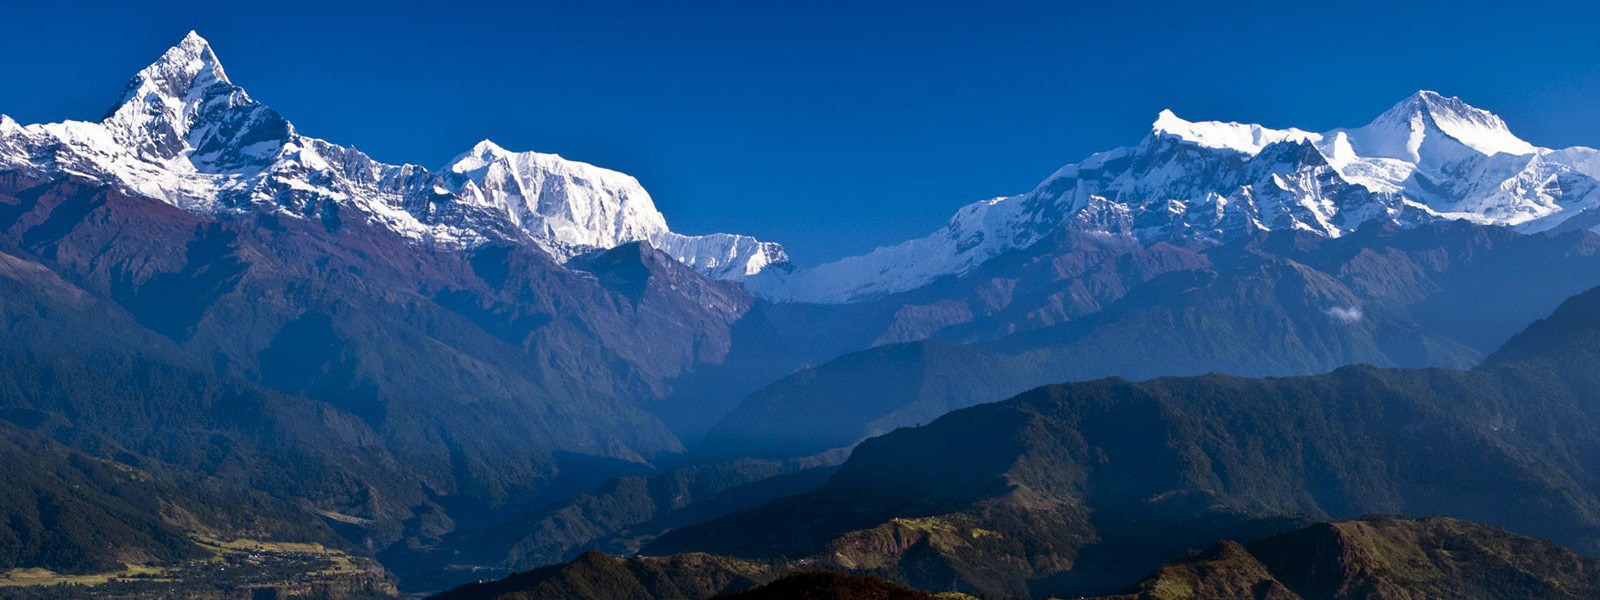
(1079, 488)
(1381, 559)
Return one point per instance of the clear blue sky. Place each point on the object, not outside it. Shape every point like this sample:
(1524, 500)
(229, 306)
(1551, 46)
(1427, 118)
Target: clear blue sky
(829, 127)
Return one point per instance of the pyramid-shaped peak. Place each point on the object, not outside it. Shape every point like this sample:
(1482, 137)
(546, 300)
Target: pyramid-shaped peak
(1432, 97)
(184, 92)
(1441, 106)
(1401, 131)
(175, 80)
(183, 63)
(193, 39)
(487, 147)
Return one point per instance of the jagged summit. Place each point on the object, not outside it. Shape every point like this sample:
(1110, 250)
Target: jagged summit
(190, 64)
(184, 134)
(172, 88)
(184, 106)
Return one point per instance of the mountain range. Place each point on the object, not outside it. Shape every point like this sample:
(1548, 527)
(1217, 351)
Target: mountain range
(1378, 557)
(184, 134)
(1428, 158)
(217, 328)
(1371, 557)
(1076, 307)
(1082, 489)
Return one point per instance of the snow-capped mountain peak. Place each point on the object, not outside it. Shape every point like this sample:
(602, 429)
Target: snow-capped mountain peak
(185, 89)
(1428, 126)
(1428, 157)
(1241, 137)
(574, 206)
(189, 66)
(184, 134)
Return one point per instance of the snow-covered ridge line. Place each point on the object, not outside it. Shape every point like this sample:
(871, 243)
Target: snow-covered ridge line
(1428, 157)
(1248, 138)
(184, 134)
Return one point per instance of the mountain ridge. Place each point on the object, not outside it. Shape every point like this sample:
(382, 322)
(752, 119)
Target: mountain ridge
(1373, 556)
(185, 134)
(1378, 558)
(1280, 303)
(1081, 488)
(1427, 158)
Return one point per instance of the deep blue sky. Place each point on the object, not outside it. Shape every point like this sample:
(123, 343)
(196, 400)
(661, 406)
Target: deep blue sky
(828, 127)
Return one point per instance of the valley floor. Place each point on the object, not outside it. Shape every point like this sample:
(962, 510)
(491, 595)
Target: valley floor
(235, 569)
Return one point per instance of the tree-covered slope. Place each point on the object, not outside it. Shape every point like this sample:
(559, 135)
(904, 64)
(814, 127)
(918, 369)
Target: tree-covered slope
(1080, 488)
(596, 576)
(73, 513)
(1380, 558)
(391, 392)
